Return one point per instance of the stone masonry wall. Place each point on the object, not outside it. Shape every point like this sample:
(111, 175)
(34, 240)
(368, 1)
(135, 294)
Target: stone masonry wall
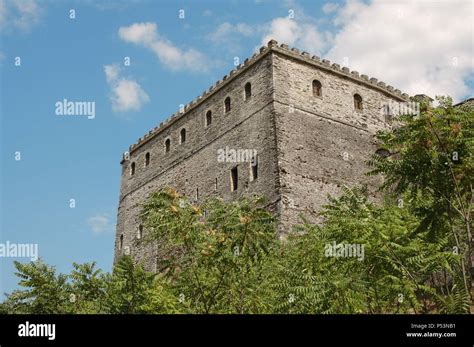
(323, 142)
(308, 146)
(193, 165)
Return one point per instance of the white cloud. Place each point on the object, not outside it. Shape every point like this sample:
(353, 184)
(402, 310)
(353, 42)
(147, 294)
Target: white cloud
(100, 223)
(226, 30)
(126, 94)
(418, 47)
(283, 29)
(330, 7)
(139, 33)
(111, 72)
(302, 33)
(146, 35)
(299, 31)
(19, 14)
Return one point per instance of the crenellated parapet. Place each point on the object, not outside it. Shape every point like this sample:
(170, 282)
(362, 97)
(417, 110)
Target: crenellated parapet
(284, 49)
(344, 71)
(308, 121)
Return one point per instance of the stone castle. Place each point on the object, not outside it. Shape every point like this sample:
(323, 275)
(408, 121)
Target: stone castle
(308, 125)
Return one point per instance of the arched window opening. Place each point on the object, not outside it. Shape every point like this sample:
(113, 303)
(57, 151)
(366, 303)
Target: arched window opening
(183, 135)
(357, 102)
(317, 88)
(147, 159)
(167, 145)
(132, 169)
(227, 104)
(208, 118)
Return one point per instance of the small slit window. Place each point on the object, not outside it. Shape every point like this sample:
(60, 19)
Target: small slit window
(234, 179)
(132, 169)
(167, 145)
(248, 90)
(183, 135)
(147, 159)
(254, 168)
(208, 118)
(120, 245)
(227, 105)
(357, 102)
(140, 232)
(317, 88)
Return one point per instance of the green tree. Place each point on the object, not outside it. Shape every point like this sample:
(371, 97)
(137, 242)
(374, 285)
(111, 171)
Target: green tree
(431, 163)
(216, 254)
(88, 288)
(45, 291)
(393, 274)
(415, 247)
(131, 290)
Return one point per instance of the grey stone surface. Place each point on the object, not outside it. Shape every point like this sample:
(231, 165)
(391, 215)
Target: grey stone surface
(308, 146)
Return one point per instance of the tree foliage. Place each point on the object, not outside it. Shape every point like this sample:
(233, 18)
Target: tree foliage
(395, 273)
(410, 252)
(431, 163)
(217, 254)
(133, 290)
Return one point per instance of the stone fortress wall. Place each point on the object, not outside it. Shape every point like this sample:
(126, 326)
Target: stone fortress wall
(308, 145)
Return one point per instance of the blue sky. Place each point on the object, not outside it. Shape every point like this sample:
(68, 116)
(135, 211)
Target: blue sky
(172, 61)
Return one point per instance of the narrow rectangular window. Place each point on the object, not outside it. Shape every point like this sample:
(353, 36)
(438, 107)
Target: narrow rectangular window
(215, 185)
(248, 91)
(234, 179)
(254, 168)
(227, 105)
(147, 159)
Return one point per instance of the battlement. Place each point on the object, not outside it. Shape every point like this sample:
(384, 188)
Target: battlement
(282, 49)
(308, 124)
